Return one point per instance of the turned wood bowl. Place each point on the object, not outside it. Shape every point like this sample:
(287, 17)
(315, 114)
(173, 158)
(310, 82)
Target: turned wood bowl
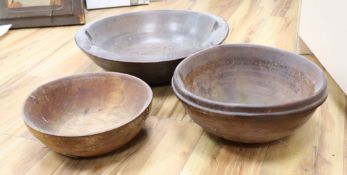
(249, 93)
(149, 44)
(89, 114)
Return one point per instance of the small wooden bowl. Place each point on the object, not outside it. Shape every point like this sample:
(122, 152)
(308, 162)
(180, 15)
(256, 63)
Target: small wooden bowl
(89, 114)
(249, 93)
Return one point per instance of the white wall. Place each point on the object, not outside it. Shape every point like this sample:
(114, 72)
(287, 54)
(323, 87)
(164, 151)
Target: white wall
(323, 27)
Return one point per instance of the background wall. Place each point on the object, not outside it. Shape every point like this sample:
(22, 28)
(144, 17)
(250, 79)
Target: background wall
(323, 27)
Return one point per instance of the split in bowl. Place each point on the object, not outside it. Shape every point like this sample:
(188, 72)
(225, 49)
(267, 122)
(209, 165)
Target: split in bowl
(249, 93)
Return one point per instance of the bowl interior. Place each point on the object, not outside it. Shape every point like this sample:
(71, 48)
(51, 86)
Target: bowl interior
(250, 75)
(162, 33)
(86, 104)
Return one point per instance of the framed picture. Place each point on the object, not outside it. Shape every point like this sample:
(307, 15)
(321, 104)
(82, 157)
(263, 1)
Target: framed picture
(39, 13)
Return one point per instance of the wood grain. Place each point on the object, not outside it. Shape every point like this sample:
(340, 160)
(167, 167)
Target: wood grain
(171, 143)
(153, 146)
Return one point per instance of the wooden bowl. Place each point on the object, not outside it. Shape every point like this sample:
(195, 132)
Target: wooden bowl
(249, 93)
(89, 114)
(150, 44)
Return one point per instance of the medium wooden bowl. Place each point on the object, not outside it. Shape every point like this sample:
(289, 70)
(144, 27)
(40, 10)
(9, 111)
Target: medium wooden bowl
(89, 114)
(149, 44)
(249, 93)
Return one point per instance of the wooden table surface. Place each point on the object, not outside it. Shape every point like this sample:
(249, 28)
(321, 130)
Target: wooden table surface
(170, 143)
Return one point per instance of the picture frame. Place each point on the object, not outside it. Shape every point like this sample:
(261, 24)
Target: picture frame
(41, 13)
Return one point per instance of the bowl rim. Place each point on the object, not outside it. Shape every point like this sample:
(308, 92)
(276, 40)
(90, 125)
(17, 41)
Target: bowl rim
(238, 109)
(145, 107)
(93, 50)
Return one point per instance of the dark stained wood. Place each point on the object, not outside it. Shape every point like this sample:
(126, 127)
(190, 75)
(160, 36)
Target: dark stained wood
(150, 44)
(89, 114)
(249, 93)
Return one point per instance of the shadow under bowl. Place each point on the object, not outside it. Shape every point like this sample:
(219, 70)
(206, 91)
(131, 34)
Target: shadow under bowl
(149, 44)
(249, 93)
(89, 114)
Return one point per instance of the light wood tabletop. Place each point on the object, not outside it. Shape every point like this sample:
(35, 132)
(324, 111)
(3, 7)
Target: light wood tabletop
(170, 143)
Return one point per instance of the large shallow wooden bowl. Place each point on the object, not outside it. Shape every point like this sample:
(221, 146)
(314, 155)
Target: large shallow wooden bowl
(150, 44)
(249, 93)
(89, 114)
